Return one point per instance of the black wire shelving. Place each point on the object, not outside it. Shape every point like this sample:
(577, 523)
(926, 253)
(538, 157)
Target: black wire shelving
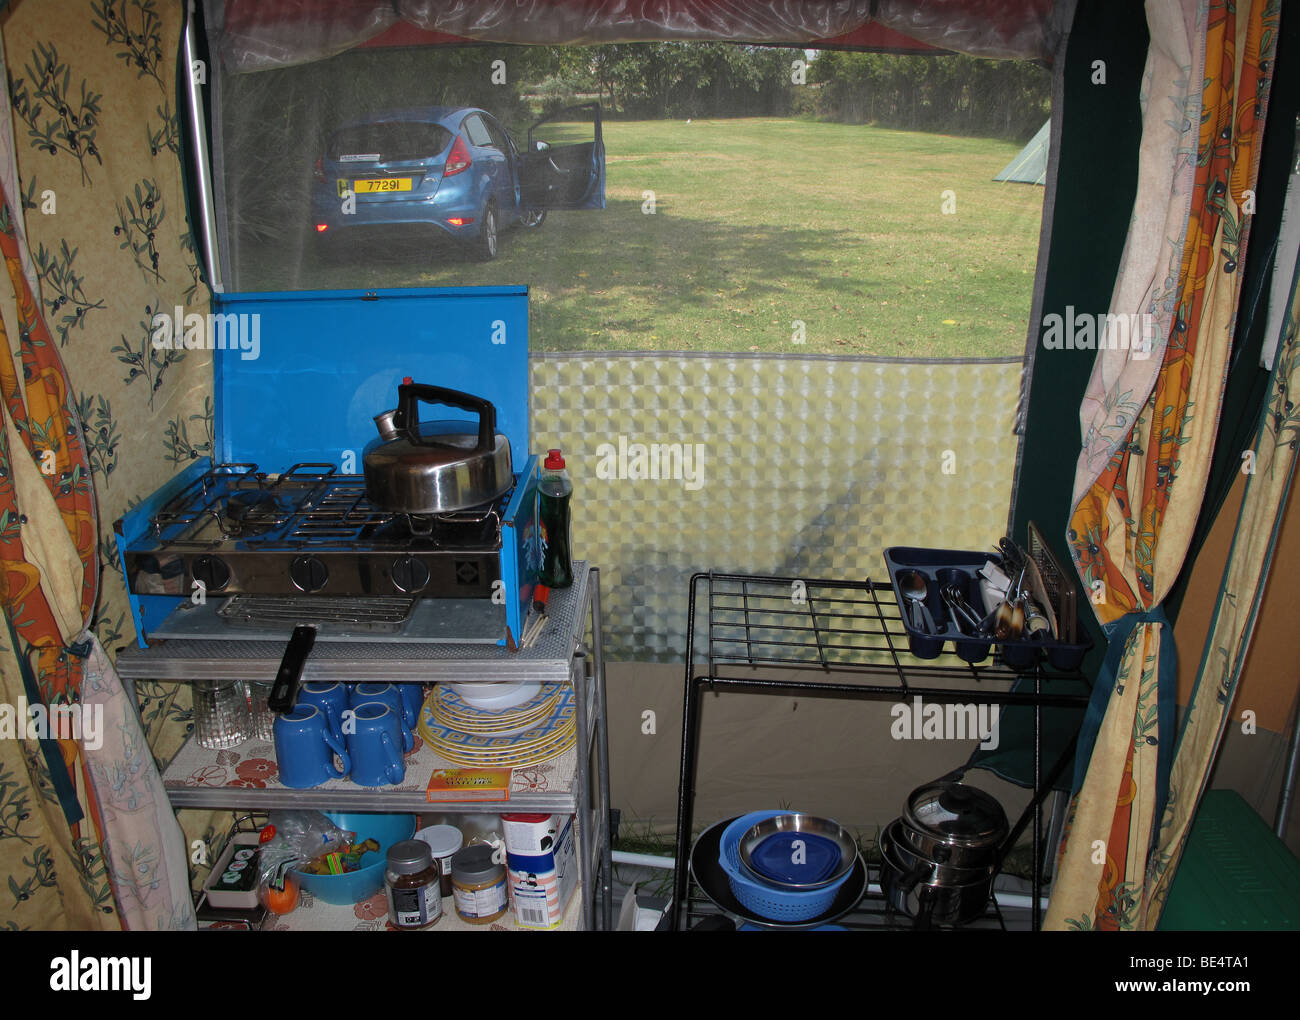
(848, 636)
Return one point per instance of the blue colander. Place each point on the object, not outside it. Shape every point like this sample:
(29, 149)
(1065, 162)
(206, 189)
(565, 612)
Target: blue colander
(790, 905)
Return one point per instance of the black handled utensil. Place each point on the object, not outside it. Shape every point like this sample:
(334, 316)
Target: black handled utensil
(284, 694)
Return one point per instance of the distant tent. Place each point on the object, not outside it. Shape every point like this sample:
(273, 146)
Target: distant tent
(1030, 165)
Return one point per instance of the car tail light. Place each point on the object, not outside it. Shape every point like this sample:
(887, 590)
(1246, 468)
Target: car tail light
(460, 221)
(322, 227)
(318, 171)
(458, 159)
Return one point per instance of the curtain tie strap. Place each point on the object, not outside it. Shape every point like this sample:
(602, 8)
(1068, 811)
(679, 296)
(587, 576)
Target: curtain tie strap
(1117, 635)
(54, 765)
(81, 649)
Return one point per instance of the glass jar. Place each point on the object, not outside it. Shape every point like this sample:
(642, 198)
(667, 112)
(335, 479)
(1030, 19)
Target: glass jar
(478, 882)
(411, 883)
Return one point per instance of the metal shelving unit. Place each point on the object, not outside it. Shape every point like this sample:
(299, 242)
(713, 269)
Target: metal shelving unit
(561, 655)
(850, 636)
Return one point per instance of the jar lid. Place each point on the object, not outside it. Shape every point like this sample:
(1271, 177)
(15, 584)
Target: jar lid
(474, 864)
(443, 840)
(409, 857)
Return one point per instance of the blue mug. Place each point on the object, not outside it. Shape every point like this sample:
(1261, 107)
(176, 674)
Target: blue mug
(305, 748)
(375, 741)
(388, 694)
(331, 699)
(412, 702)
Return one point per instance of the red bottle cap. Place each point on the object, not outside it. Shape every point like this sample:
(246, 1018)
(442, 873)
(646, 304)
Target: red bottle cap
(554, 460)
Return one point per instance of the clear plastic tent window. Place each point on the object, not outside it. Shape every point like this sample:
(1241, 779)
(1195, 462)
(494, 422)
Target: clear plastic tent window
(681, 181)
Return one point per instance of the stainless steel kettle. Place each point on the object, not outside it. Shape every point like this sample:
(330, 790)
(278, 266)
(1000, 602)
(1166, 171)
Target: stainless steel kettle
(436, 467)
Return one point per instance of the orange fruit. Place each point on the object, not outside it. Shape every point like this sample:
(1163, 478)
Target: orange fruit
(282, 901)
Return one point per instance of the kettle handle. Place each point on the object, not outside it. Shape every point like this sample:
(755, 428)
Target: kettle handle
(409, 396)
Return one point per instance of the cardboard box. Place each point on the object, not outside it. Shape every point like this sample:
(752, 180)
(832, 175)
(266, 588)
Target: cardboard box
(541, 882)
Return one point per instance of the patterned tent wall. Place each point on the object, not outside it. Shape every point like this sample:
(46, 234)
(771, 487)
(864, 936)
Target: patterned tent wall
(94, 148)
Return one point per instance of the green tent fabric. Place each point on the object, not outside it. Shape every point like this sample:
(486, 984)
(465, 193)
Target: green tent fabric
(1030, 164)
(1089, 224)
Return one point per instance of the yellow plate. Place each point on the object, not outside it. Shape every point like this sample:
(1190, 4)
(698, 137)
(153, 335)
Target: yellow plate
(380, 185)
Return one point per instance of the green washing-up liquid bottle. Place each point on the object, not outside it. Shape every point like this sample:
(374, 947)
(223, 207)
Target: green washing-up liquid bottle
(556, 488)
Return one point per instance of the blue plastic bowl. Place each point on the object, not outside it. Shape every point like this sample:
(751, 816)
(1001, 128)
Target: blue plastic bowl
(360, 885)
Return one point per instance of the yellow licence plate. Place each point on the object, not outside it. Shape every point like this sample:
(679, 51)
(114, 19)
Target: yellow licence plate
(381, 184)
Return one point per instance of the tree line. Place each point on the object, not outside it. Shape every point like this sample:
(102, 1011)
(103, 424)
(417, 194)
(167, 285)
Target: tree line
(949, 93)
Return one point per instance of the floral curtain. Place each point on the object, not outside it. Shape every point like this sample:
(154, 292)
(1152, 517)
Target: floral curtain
(1209, 709)
(89, 157)
(1149, 425)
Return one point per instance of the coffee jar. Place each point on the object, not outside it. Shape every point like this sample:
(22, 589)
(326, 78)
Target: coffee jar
(411, 884)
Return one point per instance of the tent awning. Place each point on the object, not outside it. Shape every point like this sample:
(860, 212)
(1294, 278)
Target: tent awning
(260, 34)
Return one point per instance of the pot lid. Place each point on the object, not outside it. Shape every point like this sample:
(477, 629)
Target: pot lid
(956, 814)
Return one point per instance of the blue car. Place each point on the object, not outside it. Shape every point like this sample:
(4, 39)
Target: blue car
(456, 171)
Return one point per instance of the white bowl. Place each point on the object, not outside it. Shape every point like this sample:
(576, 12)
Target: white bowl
(496, 695)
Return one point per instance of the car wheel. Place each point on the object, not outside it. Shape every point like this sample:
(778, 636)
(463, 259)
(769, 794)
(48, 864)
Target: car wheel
(486, 244)
(532, 219)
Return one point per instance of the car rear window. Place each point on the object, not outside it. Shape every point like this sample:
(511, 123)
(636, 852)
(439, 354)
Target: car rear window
(389, 141)
(476, 131)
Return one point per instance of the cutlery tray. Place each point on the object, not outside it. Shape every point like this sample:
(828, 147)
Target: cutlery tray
(940, 567)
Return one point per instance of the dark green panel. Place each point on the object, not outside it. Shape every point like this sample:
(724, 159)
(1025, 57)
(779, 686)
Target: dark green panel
(1096, 184)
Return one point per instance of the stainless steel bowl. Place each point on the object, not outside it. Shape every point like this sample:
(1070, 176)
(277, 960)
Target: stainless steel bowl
(796, 822)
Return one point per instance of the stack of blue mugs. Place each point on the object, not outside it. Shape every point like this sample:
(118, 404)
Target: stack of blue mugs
(342, 731)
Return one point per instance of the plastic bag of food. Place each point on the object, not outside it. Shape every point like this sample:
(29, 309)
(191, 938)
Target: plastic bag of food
(293, 838)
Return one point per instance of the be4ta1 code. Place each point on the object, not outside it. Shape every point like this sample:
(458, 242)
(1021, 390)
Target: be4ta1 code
(1170, 962)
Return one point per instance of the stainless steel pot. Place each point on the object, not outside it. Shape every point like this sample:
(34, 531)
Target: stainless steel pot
(931, 871)
(436, 467)
(954, 825)
(921, 891)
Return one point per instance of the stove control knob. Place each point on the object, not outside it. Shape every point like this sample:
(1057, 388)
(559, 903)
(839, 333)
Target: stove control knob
(409, 574)
(211, 572)
(308, 573)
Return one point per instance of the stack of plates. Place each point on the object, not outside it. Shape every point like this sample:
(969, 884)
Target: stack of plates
(537, 729)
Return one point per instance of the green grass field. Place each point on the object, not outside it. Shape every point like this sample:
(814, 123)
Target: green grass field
(758, 223)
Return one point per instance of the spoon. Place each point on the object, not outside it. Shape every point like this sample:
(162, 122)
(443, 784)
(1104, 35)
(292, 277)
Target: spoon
(915, 590)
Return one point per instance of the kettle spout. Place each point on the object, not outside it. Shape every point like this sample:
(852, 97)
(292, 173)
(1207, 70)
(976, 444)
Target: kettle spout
(387, 425)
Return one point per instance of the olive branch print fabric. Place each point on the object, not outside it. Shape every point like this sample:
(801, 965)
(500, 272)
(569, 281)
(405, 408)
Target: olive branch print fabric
(94, 149)
(1210, 707)
(1149, 433)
